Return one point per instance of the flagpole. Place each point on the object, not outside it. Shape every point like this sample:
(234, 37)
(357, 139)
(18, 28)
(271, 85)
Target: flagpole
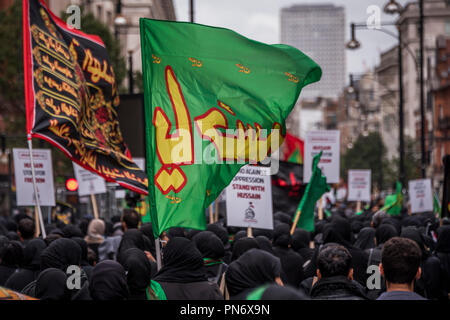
(321, 208)
(216, 210)
(39, 220)
(211, 217)
(294, 225)
(158, 254)
(358, 206)
(94, 205)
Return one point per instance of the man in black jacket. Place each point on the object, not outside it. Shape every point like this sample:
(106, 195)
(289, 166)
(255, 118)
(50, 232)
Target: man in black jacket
(335, 276)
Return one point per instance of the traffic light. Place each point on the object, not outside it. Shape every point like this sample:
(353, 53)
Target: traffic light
(72, 184)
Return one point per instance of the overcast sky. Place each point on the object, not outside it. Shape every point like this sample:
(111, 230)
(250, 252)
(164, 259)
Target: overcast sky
(260, 20)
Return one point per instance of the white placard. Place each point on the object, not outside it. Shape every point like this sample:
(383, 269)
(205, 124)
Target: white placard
(88, 182)
(420, 195)
(359, 185)
(328, 142)
(249, 198)
(42, 159)
(341, 193)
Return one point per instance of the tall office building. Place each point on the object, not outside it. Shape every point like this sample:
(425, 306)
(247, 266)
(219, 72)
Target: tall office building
(319, 31)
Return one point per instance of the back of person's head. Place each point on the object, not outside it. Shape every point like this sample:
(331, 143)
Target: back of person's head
(243, 245)
(282, 235)
(220, 231)
(209, 244)
(108, 281)
(12, 255)
(71, 231)
(176, 232)
(61, 253)
(384, 232)
(300, 239)
(334, 260)
(131, 218)
(26, 228)
(51, 284)
(400, 259)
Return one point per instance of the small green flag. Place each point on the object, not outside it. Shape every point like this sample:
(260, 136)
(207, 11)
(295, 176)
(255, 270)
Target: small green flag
(316, 187)
(214, 101)
(436, 205)
(394, 202)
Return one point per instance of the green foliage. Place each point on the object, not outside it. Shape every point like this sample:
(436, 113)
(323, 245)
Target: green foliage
(367, 153)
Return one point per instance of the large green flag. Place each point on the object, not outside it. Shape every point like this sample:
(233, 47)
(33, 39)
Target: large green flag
(394, 202)
(316, 187)
(212, 98)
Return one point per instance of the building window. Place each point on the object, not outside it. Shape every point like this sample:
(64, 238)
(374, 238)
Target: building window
(100, 13)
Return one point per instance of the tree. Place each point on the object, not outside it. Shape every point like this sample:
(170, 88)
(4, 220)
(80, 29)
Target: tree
(368, 152)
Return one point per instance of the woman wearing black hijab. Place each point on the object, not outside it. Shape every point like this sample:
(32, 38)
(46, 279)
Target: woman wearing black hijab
(428, 285)
(291, 261)
(51, 284)
(300, 243)
(442, 252)
(108, 281)
(84, 256)
(366, 239)
(139, 273)
(31, 265)
(242, 245)
(222, 233)
(12, 259)
(183, 276)
(265, 244)
(212, 250)
(254, 268)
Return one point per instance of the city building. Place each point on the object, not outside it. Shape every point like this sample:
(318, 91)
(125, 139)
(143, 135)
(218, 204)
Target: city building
(441, 109)
(436, 22)
(387, 75)
(319, 31)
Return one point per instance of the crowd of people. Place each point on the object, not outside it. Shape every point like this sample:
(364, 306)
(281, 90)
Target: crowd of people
(371, 256)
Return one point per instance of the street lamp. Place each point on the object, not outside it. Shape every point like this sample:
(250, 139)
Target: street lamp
(119, 20)
(392, 7)
(353, 43)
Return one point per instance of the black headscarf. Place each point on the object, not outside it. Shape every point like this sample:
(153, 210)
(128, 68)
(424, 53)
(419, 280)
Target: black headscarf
(300, 239)
(176, 232)
(443, 240)
(132, 238)
(282, 236)
(264, 244)
(32, 253)
(12, 255)
(60, 254)
(84, 249)
(182, 262)
(394, 222)
(13, 236)
(209, 245)
(254, 268)
(243, 245)
(70, 231)
(139, 272)
(51, 284)
(239, 235)
(366, 238)
(219, 231)
(343, 227)
(108, 281)
(414, 234)
(384, 232)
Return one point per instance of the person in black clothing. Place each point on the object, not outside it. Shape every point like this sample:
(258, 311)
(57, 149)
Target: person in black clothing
(442, 252)
(51, 285)
(300, 243)
(243, 245)
(222, 233)
(428, 284)
(84, 263)
(291, 261)
(31, 265)
(254, 268)
(183, 275)
(108, 281)
(11, 259)
(366, 239)
(212, 250)
(400, 266)
(335, 275)
(139, 273)
(265, 244)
